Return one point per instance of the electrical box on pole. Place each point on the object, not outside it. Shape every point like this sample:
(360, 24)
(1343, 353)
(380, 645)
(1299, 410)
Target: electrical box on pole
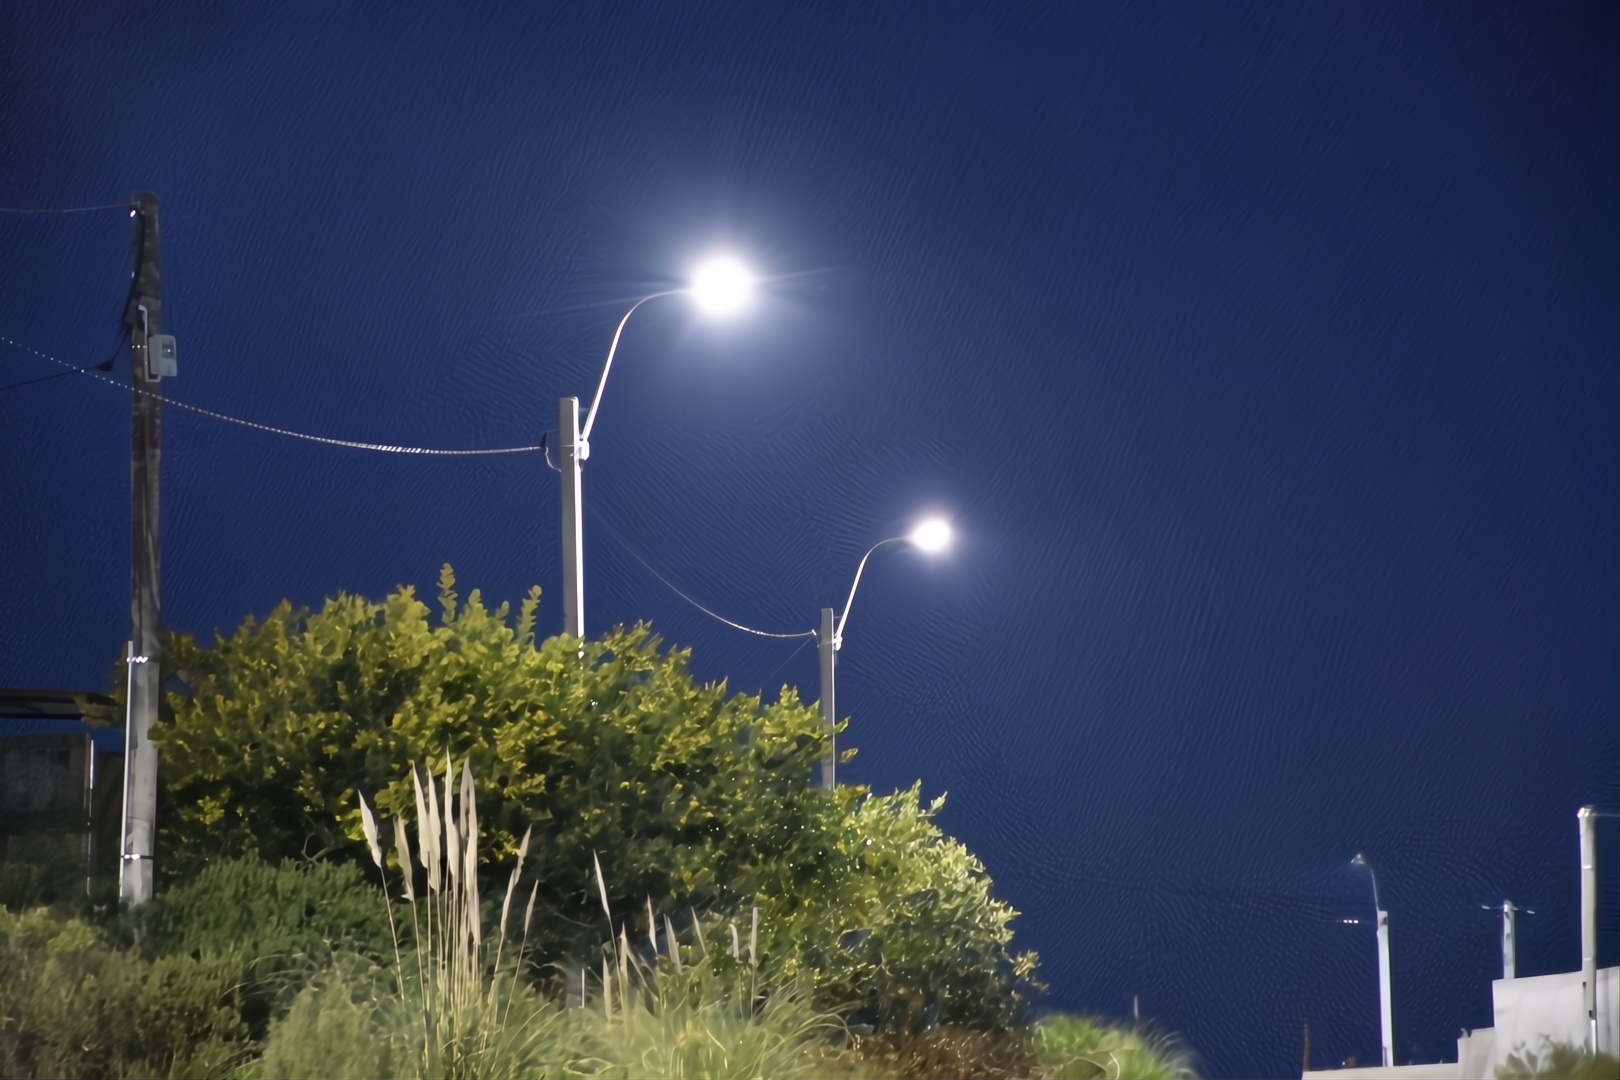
(152, 355)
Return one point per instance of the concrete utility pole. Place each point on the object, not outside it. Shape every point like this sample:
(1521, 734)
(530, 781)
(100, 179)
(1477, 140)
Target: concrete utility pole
(1510, 937)
(573, 452)
(152, 357)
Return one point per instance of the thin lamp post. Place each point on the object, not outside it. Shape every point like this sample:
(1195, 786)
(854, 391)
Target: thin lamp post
(719, 286)
(1386, 1021)
(931, 535)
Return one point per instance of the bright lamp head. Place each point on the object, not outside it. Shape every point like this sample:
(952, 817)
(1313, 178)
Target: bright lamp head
(931, 536)
(721, 286)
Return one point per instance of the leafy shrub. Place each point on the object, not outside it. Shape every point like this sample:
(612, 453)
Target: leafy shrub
(912, 903)
(1076, 1048)
(947, 1053)
(41, 870)
(691, 797)
(280, 925)
(271, 910)
(73, 1006)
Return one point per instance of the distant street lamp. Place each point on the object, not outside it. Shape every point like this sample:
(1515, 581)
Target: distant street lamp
(718, 287)
(1386, 1020)
(929, 536)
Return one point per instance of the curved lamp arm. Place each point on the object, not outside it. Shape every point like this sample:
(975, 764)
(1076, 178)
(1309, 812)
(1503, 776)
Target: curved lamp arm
(838, 632)
(590, 417)
(1360, 863)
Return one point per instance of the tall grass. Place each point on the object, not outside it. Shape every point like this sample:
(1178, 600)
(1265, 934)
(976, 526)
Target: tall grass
(456, 1005)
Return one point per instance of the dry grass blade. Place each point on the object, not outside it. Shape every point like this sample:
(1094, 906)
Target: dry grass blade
(402, 848)
(607, 989)
(652, 929)
(511, 884)
(601, 888)
(469, 820)
(368, 822)
(697, 928)
(428, 834)
(421, 814)
(528, 912)
(753, 940)
(452, 835)
(736, 946)
(674, 946)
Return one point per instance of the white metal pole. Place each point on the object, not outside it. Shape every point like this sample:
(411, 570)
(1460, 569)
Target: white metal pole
(573, 530)
(1587, 817)
(828, 644)
(1510, 941)
(1386, 1019)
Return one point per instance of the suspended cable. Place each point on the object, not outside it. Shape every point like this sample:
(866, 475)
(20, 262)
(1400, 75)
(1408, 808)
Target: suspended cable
(351, 444)
(67, 210)
(601, 520)
(766, 681)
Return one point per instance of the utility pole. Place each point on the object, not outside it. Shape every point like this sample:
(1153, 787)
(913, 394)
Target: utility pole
(574, 451)
(152, 357)
(1510, 936)
(828, 645)
(1386, 1022)
(1586, 816)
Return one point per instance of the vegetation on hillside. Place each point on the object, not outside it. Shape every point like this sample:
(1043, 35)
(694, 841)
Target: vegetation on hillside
(591, 826)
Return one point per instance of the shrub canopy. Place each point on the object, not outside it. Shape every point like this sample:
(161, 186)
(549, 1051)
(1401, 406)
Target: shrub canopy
(693, 798)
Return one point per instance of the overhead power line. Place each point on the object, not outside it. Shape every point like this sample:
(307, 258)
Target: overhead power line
(270, 429)
(602, 520)
(67, 210)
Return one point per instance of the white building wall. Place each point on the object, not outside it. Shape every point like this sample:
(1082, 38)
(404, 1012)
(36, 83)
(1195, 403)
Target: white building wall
(1551, 1007)
(1527, 1012)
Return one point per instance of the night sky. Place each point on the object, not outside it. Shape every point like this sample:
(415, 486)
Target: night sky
(1263, 354)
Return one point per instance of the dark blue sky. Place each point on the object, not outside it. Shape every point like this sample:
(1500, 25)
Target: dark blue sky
(1265, 354)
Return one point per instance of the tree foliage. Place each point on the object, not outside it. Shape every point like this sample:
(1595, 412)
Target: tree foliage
(692, 798)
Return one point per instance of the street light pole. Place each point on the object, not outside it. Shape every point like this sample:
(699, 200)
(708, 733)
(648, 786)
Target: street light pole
(719, 286)
(573, 524)
(929, 536)
(1386, 1020)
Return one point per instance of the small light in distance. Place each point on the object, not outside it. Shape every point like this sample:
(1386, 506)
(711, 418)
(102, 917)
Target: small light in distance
(721, 286)
(932, 535)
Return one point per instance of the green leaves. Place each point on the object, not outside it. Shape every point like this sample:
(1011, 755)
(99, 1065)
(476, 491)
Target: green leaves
(693, 797)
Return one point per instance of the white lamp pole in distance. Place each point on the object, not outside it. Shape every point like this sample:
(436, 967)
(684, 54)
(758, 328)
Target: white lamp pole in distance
(1386, 1020)
(930, 536)
(718, 287)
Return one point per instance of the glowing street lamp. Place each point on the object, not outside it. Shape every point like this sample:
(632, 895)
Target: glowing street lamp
(930, 536)
(1386, 1022)
(718, 287)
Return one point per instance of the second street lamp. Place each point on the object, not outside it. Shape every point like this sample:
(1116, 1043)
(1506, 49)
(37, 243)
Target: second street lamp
(930, 536)
(718, 287)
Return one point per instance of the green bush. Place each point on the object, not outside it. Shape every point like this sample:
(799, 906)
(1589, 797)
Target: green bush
(692, 798)
(1076, 1048)
(279, 925)
(71, 1005)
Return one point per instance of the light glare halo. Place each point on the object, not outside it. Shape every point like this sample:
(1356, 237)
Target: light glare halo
(721, 285)
(931, 536)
